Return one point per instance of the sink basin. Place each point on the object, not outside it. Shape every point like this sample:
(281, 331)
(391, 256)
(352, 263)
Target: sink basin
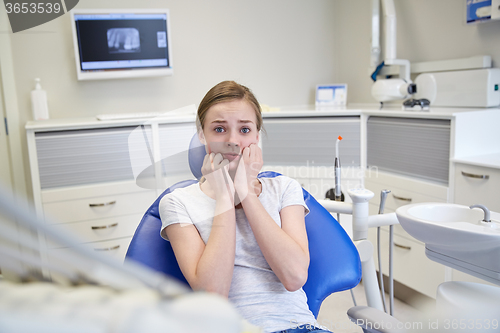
(455, 235)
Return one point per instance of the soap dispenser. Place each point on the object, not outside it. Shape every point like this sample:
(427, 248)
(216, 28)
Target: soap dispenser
(39, 102)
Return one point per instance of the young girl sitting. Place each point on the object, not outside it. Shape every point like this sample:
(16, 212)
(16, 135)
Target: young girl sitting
(235, 234)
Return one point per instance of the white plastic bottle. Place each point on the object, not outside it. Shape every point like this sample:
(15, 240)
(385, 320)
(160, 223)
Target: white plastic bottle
(39, 102)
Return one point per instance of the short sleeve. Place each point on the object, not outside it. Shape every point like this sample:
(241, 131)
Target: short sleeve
(172, 211)
(293, 195)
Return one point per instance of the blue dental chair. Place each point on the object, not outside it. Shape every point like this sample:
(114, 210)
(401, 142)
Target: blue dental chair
(334, 260)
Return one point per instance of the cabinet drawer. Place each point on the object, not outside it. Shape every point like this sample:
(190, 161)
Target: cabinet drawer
(116, 248)
(90, 191)
(403, 188)
(404, 191)
(100, 229)
(99, 207)
(411, 267)
(400, 196)
(471, 189)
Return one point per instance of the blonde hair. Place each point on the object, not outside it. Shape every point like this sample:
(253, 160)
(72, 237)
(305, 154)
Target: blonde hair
(227, 91)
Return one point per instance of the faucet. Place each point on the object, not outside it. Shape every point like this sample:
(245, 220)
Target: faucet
(485, 210)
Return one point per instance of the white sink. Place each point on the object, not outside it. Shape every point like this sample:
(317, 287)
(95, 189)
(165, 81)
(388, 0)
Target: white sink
(455, 235)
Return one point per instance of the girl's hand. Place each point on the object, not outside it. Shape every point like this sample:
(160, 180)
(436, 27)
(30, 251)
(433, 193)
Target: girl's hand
(215, 170)
(249, 167)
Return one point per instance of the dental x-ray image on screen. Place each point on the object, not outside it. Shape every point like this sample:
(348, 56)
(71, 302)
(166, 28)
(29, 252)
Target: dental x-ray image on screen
(122, 40)
(122, 43)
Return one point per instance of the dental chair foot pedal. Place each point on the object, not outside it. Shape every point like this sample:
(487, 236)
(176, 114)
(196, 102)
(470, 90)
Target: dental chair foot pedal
(372, 320)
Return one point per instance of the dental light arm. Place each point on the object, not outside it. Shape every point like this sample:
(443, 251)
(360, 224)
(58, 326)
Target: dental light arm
(390, 89)
(375, 51)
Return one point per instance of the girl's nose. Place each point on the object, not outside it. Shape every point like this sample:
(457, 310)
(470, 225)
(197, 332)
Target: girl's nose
(233, 140)
(234, 147)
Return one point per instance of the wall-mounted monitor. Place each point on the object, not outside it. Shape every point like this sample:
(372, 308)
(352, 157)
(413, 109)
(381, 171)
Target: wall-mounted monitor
(121, 43)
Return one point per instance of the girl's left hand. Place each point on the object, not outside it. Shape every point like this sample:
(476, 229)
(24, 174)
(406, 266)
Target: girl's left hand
(249, 167)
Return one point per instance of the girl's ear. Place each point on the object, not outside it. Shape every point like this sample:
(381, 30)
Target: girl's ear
(201, 137)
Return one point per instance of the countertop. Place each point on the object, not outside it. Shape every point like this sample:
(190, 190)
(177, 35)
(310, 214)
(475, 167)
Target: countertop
(473, 146)
(367, 109)
(487, 160)
(280, 112)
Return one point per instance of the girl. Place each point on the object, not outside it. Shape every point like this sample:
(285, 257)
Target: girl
(235, 234)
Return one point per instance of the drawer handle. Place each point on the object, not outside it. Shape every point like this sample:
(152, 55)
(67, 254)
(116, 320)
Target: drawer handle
(402, 246)
(103, 204)
(471, 175)
(108, 248)
(401, 198)
(104, 226)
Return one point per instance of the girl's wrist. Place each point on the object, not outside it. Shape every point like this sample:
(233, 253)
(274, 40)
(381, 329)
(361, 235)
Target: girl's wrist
(224, 204)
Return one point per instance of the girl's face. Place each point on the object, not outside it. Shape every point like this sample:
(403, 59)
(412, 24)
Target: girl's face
(229, 128)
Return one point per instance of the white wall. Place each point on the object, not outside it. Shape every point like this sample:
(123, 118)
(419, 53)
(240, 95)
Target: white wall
(280, 49)
(428, 30)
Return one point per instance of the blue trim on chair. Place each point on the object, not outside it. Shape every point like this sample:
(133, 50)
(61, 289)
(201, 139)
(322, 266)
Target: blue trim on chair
(148, 247)
(334, 260)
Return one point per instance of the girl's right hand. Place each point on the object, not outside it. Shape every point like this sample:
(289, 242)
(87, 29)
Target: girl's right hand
(215, 170)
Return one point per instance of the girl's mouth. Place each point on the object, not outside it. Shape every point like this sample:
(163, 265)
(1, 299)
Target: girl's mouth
(230, 156)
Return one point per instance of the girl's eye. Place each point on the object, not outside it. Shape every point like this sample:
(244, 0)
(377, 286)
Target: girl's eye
(219, 129)
(245, 130)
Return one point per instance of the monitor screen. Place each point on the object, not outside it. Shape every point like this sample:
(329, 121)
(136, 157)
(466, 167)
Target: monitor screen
(121, 43)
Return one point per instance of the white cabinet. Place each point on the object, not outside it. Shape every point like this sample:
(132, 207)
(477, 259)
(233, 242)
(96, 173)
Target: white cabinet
(301, 142)
(96, 179)
(107, 212)
(304, 149)
(410, 157)
(477, 185)
(411, 266)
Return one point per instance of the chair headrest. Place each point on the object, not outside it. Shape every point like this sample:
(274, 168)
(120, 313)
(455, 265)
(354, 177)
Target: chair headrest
(196, 155)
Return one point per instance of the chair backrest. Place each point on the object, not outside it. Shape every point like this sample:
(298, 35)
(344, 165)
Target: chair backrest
(334, 260)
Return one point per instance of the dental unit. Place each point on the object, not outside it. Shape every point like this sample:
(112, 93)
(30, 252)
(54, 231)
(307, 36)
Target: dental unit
(361, 222)
(461, 237)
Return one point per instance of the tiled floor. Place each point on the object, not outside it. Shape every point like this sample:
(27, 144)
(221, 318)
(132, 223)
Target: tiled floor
(333, 312)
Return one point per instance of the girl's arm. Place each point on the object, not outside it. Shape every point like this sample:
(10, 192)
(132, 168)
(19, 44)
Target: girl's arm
(206, 267)
(285, 249)
(209, 267)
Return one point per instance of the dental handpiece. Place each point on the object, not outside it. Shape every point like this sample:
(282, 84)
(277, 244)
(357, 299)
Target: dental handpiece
(338, 191)
(338, 187)
(383, 197)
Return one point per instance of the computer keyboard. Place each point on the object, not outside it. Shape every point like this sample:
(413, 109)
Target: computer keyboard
(185, 111)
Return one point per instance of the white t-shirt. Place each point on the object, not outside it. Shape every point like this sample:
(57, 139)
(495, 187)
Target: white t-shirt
(255, 290)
